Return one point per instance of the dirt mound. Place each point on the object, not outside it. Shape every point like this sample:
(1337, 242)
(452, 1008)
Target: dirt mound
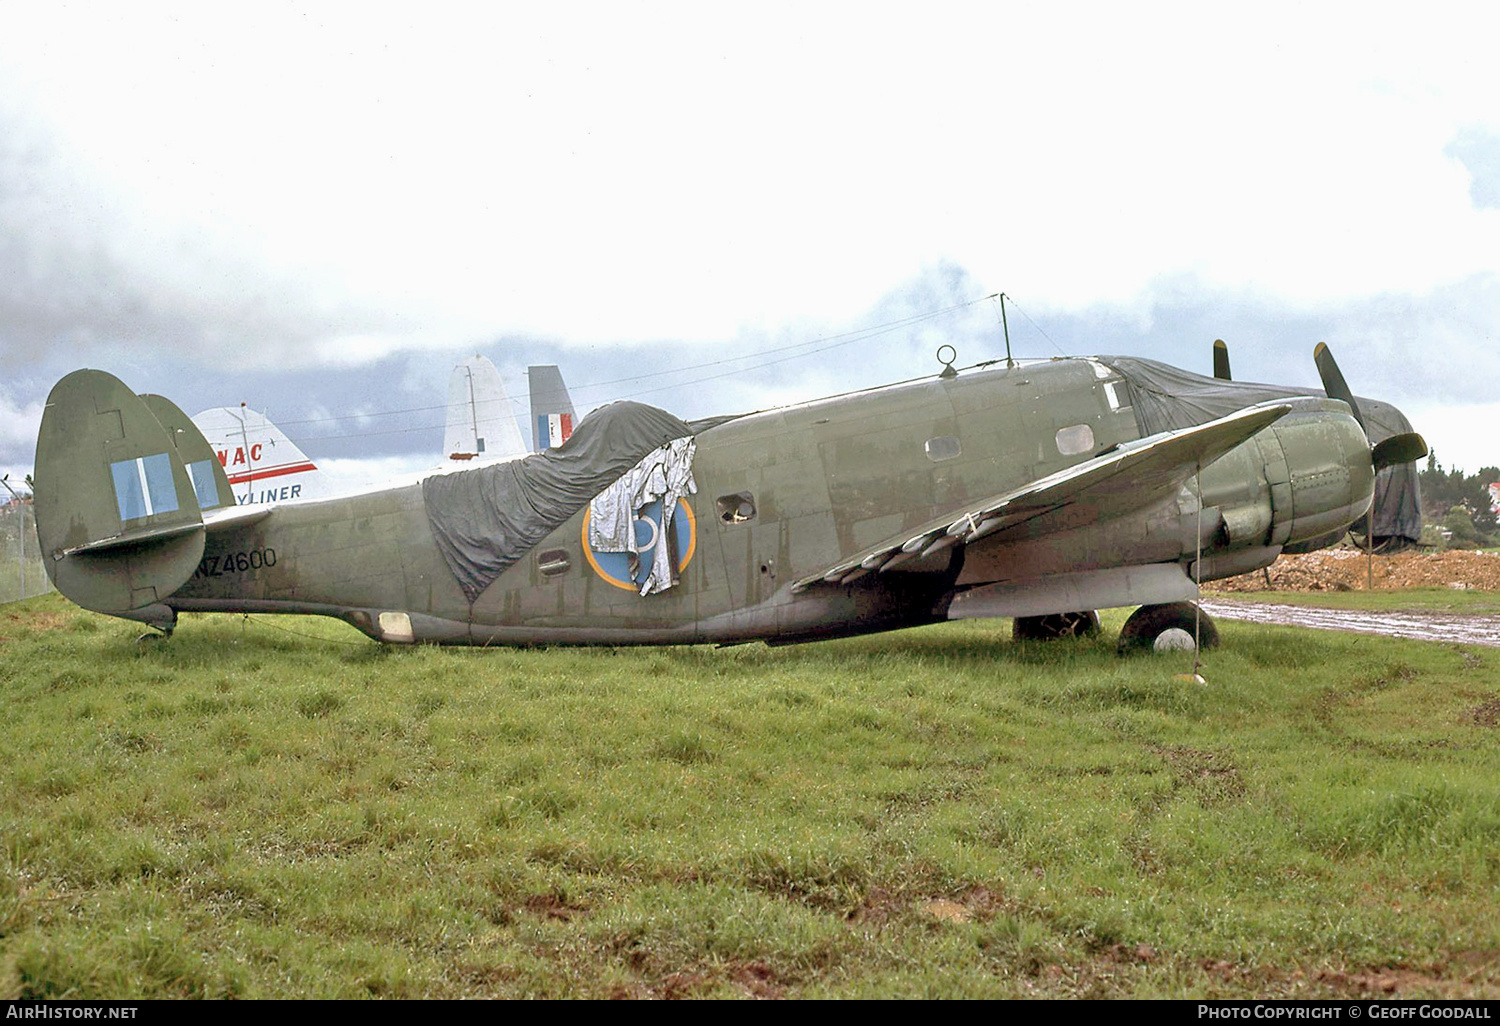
(1344, 570)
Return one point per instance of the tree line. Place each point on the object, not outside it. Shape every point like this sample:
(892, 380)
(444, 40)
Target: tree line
(1459, 502)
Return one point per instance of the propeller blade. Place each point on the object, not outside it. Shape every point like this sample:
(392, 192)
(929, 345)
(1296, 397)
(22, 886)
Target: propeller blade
(1221, 360)
(1333, 380)
(1404, 448)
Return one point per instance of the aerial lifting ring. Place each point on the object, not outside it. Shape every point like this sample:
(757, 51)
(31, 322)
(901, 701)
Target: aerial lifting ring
(947, 361)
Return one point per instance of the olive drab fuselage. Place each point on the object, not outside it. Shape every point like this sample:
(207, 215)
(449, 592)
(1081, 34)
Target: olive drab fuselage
(784, 495)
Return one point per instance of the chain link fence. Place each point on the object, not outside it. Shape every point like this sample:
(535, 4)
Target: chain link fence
(21, 572)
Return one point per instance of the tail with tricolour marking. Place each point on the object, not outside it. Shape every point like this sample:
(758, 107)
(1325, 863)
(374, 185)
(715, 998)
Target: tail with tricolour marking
(552, 416)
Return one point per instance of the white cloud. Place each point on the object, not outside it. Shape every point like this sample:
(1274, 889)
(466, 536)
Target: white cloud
(639, 173)
(348, 476)
(329, 186)
(1463, 436)
(19, 424)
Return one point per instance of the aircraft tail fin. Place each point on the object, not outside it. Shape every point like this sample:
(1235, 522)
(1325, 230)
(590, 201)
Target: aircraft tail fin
(481, 424)
(121, 485)
(552, 416)
(263, 465)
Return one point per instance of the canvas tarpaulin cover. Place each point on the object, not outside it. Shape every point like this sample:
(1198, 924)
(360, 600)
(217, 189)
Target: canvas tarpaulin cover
(1166, 398)
(486, 519)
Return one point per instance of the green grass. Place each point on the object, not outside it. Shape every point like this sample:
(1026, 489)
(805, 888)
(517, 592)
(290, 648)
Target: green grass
(242, 811)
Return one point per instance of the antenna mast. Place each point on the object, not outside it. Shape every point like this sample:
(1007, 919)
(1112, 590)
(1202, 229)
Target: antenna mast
(1005, 325)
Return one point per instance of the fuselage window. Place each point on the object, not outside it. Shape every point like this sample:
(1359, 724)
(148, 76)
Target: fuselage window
(553, 562)
(736, 509)
(943, 447)
(1076, 439)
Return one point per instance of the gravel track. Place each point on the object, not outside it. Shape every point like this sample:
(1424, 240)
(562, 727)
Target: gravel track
(1452, 627)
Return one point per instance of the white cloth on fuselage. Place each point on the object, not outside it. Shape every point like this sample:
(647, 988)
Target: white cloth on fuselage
(665, 473)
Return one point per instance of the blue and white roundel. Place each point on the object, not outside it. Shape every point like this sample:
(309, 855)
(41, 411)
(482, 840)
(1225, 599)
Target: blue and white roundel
(614, 567)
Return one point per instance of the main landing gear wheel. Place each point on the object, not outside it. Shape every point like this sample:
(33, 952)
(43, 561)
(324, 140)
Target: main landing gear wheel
(1081, 624)
(1167, 628)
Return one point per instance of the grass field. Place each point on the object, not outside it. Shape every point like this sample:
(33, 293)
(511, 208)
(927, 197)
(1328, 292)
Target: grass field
(247, 812)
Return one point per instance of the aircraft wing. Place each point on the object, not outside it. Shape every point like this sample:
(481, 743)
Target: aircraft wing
(1133, 476)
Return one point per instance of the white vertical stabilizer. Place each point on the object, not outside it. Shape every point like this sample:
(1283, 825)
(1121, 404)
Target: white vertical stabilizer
(481, 424)
(263, 464)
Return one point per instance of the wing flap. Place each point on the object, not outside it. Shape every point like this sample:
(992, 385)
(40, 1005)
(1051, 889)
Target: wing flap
(1133, 476)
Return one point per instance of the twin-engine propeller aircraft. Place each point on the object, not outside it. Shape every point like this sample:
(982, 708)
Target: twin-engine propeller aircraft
(1036, 490)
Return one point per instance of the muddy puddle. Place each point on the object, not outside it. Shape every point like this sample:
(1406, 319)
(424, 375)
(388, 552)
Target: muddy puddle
(1453, 627)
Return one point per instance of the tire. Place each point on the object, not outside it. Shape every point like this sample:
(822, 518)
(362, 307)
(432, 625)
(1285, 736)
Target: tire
(1081, 624)
(1162, 628)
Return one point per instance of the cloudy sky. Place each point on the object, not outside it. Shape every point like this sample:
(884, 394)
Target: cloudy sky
(318, 208)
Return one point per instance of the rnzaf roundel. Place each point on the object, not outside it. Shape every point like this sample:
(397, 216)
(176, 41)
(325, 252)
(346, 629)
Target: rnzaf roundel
(614, 567)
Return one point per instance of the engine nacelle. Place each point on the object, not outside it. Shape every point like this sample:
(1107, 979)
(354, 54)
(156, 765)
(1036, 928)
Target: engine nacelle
(1302, 482)
(1319, 471)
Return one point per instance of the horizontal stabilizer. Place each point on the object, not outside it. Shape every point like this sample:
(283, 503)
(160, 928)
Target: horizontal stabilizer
(235, 516)
(119, 494)
(134, 539)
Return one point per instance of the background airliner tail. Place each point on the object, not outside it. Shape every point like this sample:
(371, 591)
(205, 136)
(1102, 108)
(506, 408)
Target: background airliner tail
(552, 416)
(263, 464)
(481, 424)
